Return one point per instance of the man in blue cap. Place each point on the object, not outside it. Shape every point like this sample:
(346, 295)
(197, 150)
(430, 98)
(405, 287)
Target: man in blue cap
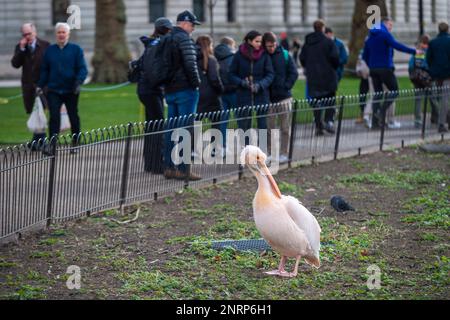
(181, 92)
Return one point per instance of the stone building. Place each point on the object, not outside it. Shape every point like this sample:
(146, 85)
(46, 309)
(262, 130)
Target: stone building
(231, 17)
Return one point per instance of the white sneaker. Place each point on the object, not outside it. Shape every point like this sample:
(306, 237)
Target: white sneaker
(394, 125)
(283, 158)
(367, 122)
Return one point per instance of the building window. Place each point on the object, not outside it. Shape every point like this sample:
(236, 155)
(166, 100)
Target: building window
(433, 11)
(393, 10)
(286, 10)
(304, 4)
(199, 9)
(157, 9)
(406, 10)
(231, 10)
(59, 11)
(320, 9)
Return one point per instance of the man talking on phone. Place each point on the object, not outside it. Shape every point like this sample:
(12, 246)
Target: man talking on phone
(28, 56)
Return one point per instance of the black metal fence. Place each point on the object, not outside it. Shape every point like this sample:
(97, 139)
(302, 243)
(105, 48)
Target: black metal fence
(107, 168)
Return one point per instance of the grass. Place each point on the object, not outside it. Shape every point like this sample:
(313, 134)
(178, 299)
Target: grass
(108, 108)
(394, 179)
(432, 209)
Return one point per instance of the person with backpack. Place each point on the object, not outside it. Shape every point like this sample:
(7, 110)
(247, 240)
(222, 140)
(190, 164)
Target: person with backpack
(252, 72)
(211, 86)
(286, 75)
(343, 54)
(151, 97)
(419, 75)
(224, 53)
(182, 90)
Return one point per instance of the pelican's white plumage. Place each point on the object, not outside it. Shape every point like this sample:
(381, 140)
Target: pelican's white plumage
(283, 221)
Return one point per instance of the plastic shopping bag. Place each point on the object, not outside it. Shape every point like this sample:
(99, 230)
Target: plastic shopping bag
(65, 122)
(37, 123)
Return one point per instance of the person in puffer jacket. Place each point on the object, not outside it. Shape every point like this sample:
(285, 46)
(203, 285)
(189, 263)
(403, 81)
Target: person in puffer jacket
(182, 92)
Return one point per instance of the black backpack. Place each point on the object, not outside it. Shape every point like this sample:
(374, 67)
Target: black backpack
(134, 70)
(418, 75)
(157, 63)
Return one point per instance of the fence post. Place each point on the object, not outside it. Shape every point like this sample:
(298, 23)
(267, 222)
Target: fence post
(383, 121)
(125, 168)
(51, 179)
(293, 130)
(424, 121)
(338, 133)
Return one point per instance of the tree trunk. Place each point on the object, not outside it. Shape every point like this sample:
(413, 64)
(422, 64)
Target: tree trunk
(111, 54)
(359, 27)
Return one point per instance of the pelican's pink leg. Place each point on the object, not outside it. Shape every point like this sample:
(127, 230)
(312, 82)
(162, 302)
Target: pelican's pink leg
(280, 271)
(294, 273)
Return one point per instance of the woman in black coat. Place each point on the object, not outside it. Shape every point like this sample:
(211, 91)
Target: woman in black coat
(252, 72)
(211, 86)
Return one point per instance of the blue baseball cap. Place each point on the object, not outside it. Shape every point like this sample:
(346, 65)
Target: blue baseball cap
(188, 16)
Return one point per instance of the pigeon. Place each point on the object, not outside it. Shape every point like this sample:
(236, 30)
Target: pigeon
(340, 205)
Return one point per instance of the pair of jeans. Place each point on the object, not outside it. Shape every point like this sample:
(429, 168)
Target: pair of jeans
(325, 104)
(229, 101)
(181, 103)
(55, 101)
(153, 143)
(379, 77)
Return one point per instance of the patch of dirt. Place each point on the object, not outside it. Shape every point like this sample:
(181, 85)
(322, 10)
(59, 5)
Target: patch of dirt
(102, 248)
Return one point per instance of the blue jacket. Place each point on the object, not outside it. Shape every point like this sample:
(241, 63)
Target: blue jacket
(343, 57)
(263, 75)
(63, 69)
(418, 60)
(438, 56)
(285, 76)
(379, 49)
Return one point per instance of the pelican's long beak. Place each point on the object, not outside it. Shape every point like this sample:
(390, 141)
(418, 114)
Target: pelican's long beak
(273, 184)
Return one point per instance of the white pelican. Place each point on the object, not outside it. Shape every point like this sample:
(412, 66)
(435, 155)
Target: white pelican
(287, 226)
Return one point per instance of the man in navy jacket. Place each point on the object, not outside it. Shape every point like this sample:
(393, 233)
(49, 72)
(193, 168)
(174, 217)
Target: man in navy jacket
(378, 54)
(63, 70)
(438, 59)
(320, 58)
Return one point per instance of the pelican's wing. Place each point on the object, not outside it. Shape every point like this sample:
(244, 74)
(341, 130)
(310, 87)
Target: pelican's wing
(304, 220)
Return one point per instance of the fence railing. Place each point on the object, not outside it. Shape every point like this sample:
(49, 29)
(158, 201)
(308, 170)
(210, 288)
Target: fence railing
(122, 165)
